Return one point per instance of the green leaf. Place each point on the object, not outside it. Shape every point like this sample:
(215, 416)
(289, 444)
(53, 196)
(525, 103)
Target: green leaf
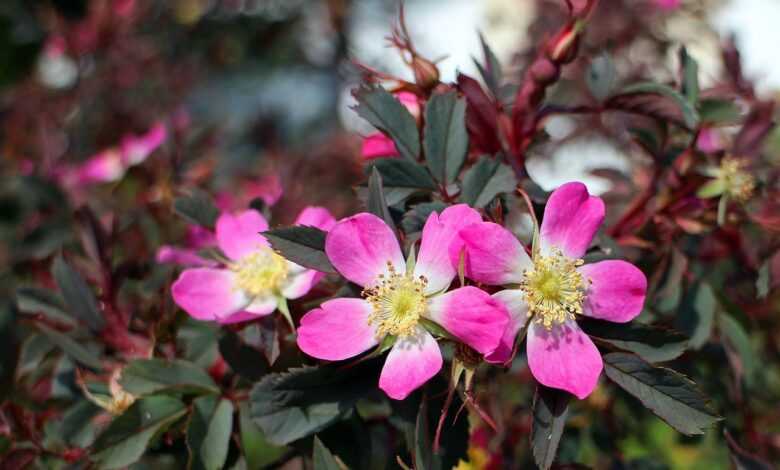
(601, 77)
(208, 432)
(669, 395)
(712, 188)
(491, 72)
(377, 204)
(300, 402)
(72, 348)
(245, 360)
(322, 458)
(550, 410)
(485, 180)
(76, 425)
(301, 245)
(423, 453)
(697, 316)
(197, 208)
(690, 76)
(9, 348)
(762, 281)
(414, 219)
(446, 141)
(78, 296)
(403, 174)
(651, 343)
(715, 111)
(127, 437)
(48, 302)
(387, 114)
(150, 376)
(257, 451)
(635, 97)
(738, 341)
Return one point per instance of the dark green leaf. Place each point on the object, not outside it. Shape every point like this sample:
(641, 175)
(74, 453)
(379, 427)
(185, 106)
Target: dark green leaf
(78, 296)
(9, 349)
(300, 402)
(403, 174)
(650, 343)
(446, 141)
(127, 437)
(45, 301)
(72, 348)
(241, 357)
(657, 100)
(690, 76)
(738, 341)
(550, 411)
(377, 204)
(669, 395)
(387, 114)
(197, 208)
(423, 452)
(762, 282)
(485, 180)
(715, 111)
(208, 432)
(415, 218)
(301, 245)
(150, 376)
(76, 426)
(322, 458)
(257, 451)
(601, 77)
(491, 71)
(697, 315)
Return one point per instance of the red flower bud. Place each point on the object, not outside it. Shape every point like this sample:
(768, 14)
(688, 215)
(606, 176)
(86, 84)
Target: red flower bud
(426, 74)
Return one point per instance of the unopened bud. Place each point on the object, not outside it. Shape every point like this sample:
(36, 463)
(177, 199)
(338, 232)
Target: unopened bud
(544, 71)
(563, 48)
(426, 74)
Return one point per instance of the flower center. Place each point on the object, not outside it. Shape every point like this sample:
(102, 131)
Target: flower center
(398, 300)
(553, 288)
(261, 272)
(739, 184)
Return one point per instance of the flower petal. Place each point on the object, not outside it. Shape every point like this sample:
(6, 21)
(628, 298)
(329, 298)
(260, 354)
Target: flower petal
(472, 316)
(617, 290)
(298, 285)
(361, 246)
(337, 330)
(514, 301)
(412, 361)
(564, 357)
(315, 216)
(571, 219)
(239, 235)
(208, 294)
(438, 237)
(492, 254)
(378, 145)
(168, 254)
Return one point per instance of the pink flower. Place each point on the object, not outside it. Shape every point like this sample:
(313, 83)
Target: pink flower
(548, 290)
(253, 280)
(267, 188)
(396, 300)
(378, 145)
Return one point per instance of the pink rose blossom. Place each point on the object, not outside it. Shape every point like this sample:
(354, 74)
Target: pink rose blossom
(377, 144)
(253, 279)
(553, 286)
(396, 298)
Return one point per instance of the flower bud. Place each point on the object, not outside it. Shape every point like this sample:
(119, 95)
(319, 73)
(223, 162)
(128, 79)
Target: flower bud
(426, 74)
(563, 48)
(544, 72)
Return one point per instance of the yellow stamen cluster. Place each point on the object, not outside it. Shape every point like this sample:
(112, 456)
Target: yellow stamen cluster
(553, 288)
(738, 183)
(398, 301)
(261, 272)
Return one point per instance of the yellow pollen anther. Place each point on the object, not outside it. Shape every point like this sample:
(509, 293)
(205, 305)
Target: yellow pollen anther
(261, 272)
(553, 288)
(398, 301)
(738, 183)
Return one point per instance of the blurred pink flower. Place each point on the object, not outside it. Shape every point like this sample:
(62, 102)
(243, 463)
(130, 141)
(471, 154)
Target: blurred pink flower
(377, 144)
(553, 286)
(709, 140)
(254, 278)
(268, 189)
(396, 298)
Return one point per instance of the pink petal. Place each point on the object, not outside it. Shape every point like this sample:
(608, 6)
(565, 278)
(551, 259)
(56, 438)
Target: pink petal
(410, 101)
(299, 284)
(240, 317)
(438, 236)
(208, 294)
(617, 290)
(102, 168)
(337, 330)
(472, 316)
(318, 217)
(136, 149)
(268, 188)
(571, 219)
(378, 145)
(514, 301)
(200, 237)
(167, 254)
(239, 235)
(412, 361)
(361, 246)
(492, 254)
(564, 357)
